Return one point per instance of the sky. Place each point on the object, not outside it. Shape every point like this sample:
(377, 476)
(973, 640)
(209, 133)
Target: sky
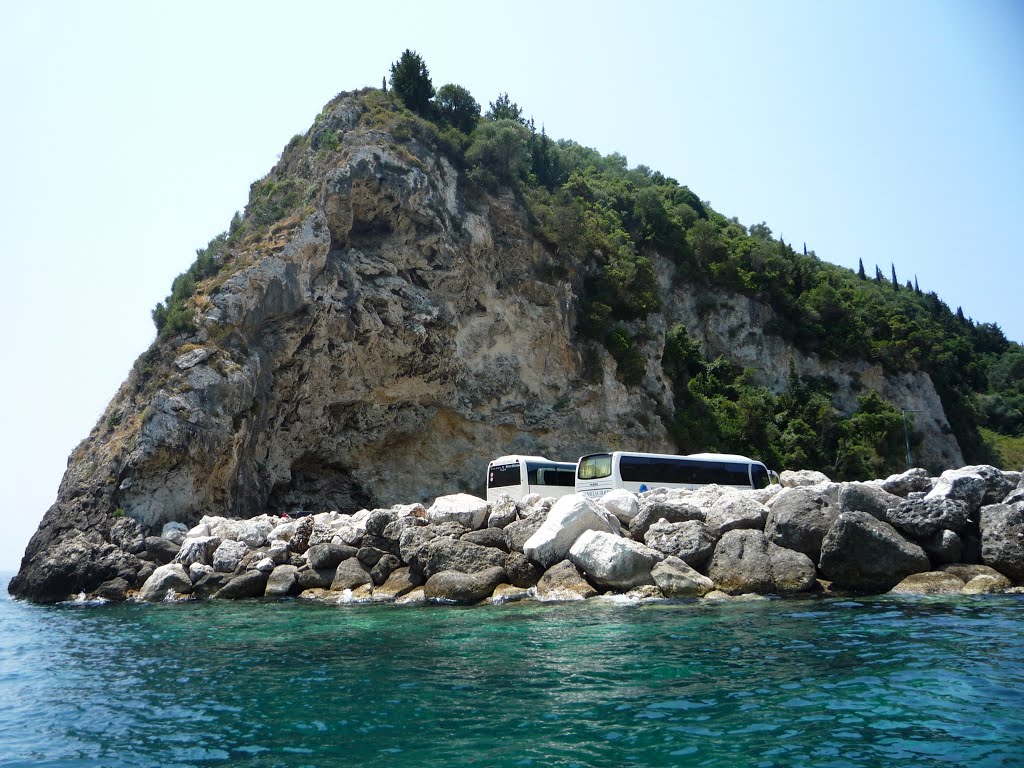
(130, 133)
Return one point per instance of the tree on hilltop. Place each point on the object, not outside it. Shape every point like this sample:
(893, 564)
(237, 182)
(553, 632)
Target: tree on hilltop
(410, 79)
(458, 107)
(503, 108)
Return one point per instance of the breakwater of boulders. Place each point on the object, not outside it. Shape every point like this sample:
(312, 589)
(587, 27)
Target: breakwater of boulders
(962, 532)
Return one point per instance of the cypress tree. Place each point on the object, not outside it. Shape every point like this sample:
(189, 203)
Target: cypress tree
(860, 270)
(895, 282)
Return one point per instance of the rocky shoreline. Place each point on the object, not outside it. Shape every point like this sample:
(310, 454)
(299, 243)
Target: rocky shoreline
(962, 532)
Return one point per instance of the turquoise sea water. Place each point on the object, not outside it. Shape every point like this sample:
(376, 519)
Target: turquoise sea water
(826, 682)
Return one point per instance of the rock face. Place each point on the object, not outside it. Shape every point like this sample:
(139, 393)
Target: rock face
(377, 344)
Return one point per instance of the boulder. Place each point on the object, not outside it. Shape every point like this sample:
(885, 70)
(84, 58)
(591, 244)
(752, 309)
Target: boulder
(509, 593)
(115, 590)
(312, 578)
(383, 568)
(283, 581)
(863, 497)
(174, 532)
(412, 539)
(568, 518)
(398, 583)
(349, 575)
(733, 511)
(253, 533)
(654, 509)
(968, 571)
(747, 561)
(612, 562)
(462, 508)
(563, 582)
(167, 578)
(621, 503)
(369, 556)
(676, 579)
(518, 532)
(487, 537)
(943, 547)
(802, 477)
(998, 484)
(228, 555)
(929, 583)
(197, 549)
(245, 585)
(463, 588)
(522, 571)
(210, 583)
(987, 584)
(862, 553)
(960, 485)
(322, 556)
(442, 554)
(923, 518)
(299, 541)
(1002, 539)
(799, 519)
(503, 512)
(914, 480)
(161, 549)
(690, 541)
(196, 571)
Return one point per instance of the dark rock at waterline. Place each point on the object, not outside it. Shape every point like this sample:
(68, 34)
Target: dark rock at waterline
(315, 578)
(862, 553)
(77, 563)
(248, 584)
(210, 583)
(349, 575)
(115, 590)
(563, 582)
(522, 571)
(282, 582)
(747, 561)
(463, 588)
(455, 555)
(383, 568)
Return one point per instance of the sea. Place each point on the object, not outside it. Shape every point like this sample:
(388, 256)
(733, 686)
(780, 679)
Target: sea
(874, 682)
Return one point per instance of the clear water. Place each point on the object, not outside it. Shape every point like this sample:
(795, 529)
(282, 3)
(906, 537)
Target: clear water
(869, 682)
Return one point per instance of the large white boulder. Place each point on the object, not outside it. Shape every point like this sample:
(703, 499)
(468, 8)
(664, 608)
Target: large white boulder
(621, 503)
(800, 477)
(462, 508)
(197, 549)
(613, 562)
(566, 520)
(228, 555)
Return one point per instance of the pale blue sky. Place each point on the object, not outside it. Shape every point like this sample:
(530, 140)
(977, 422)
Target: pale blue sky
(130, 133)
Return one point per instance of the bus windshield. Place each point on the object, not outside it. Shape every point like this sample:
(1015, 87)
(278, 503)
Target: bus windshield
(595, 467)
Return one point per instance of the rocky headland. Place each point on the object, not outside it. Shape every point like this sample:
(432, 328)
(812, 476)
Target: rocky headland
(962, 532)
(374, 330)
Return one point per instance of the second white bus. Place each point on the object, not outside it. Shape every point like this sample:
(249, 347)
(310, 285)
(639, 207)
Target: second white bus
(519, 476)
(599, 473)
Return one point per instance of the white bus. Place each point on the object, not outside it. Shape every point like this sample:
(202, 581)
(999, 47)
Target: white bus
(599, 473)
(519, 476)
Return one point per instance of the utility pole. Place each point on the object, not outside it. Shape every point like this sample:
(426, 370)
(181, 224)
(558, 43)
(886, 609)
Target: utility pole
(906, 433)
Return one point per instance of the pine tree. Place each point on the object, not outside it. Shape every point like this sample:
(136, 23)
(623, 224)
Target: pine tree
(410, 79)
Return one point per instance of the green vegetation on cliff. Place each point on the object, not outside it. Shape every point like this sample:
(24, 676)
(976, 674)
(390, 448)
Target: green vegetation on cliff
(610, 229)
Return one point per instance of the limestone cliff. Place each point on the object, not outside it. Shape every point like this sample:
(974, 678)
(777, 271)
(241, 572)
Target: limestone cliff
(379, 345)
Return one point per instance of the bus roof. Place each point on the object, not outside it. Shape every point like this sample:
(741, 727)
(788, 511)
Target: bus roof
(518, 457)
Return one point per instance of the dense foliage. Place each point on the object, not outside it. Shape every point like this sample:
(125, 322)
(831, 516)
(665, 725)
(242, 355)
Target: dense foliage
(607, 226)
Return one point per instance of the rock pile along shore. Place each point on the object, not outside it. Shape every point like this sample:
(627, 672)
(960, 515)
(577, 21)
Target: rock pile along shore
(962, 532)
